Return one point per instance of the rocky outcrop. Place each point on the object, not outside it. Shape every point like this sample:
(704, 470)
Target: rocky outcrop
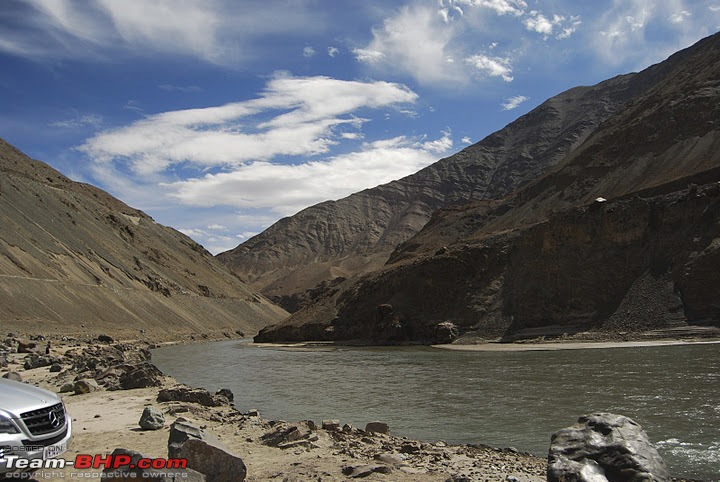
(604, 447)
(74, 259)
(549, 260)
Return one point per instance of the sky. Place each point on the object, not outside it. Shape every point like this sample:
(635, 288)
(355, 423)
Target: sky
(219, 117)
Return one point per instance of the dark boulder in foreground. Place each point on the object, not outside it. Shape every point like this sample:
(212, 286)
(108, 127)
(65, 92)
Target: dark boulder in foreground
(604, 447)
(204, 453)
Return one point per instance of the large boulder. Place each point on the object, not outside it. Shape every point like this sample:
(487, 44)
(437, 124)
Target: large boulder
(151, 419)
(131, 472)
(604, 447)
(204, 453)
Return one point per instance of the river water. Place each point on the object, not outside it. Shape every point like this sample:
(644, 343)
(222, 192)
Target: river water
(505, 399)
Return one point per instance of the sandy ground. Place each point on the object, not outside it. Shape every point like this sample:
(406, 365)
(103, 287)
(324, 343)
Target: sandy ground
(105, 420)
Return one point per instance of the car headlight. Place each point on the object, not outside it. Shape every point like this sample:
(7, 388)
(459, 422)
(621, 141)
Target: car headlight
(7, 425)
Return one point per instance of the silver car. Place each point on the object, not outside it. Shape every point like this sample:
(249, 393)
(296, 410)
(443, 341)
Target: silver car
(33, 423)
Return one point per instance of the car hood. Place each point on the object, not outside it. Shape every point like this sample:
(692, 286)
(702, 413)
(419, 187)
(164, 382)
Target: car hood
(17, 397)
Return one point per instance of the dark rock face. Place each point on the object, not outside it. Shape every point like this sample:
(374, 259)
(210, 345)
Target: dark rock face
(604, 447)
(549, 260)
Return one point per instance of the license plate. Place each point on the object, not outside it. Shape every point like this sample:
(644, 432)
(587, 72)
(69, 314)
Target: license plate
(52, 451)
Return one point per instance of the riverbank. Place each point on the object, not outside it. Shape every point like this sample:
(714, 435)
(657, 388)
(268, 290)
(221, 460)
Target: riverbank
(105, 417)
(105, 420)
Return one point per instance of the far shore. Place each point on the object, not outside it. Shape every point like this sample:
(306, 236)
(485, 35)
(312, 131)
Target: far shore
(571, 345)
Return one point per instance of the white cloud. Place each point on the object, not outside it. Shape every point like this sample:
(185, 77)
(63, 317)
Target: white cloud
(308, 52)
(514, 102)
(501, 7)
(680, 16)
(216, 31)
(637, 33)
(416, 40)
(491, 66)
(466, 140)
(286, 189)
(180, 88)
(333, 51)
(306, 111)
(91, 120)
(367, 55)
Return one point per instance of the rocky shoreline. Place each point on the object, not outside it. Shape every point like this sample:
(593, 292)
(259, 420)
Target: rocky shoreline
(110, 386)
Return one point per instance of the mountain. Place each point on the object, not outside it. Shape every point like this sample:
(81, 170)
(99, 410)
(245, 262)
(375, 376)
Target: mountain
(298, 257)
(74, 259)
(621, 234)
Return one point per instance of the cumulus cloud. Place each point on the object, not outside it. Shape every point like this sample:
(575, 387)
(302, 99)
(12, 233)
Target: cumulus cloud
(514, 102)
(491, 66)
(429, 42)
(415, 40)
(680, 16)
(333, 51)
(287, 188)
(308, 52)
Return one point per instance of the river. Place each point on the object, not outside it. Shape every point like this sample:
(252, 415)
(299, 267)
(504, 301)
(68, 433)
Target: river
(505, 399)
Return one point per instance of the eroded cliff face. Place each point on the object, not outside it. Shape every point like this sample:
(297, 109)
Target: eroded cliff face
(547, 258)
(74, 259)
(629, 265)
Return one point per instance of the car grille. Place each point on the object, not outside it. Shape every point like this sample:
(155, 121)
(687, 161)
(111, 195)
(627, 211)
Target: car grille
(45, 420)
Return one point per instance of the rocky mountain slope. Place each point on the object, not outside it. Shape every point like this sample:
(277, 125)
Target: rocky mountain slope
(548, 259)
(300, 255)
(75, 259)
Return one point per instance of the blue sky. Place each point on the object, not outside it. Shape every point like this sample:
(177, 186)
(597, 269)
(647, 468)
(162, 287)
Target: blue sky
(219, 117)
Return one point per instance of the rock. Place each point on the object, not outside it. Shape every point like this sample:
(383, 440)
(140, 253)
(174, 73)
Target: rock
(131, 472)
(142, 375)
(55, 368)
(377, 427)
(253, 412)
(26, 346)
(358, 471)
(13, 376)
(105, 339)
(204, 453)
(224, 392)
(444, 333)
(331, 424)
(191, 395)
(67, 388)
(34, 360)
(283, 434)
(86, 385)
(3, 358)
(151, 419)
(604, 447)
(390, 459)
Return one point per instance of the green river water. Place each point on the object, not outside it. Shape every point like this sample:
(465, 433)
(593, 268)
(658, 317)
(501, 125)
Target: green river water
(505, 399)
